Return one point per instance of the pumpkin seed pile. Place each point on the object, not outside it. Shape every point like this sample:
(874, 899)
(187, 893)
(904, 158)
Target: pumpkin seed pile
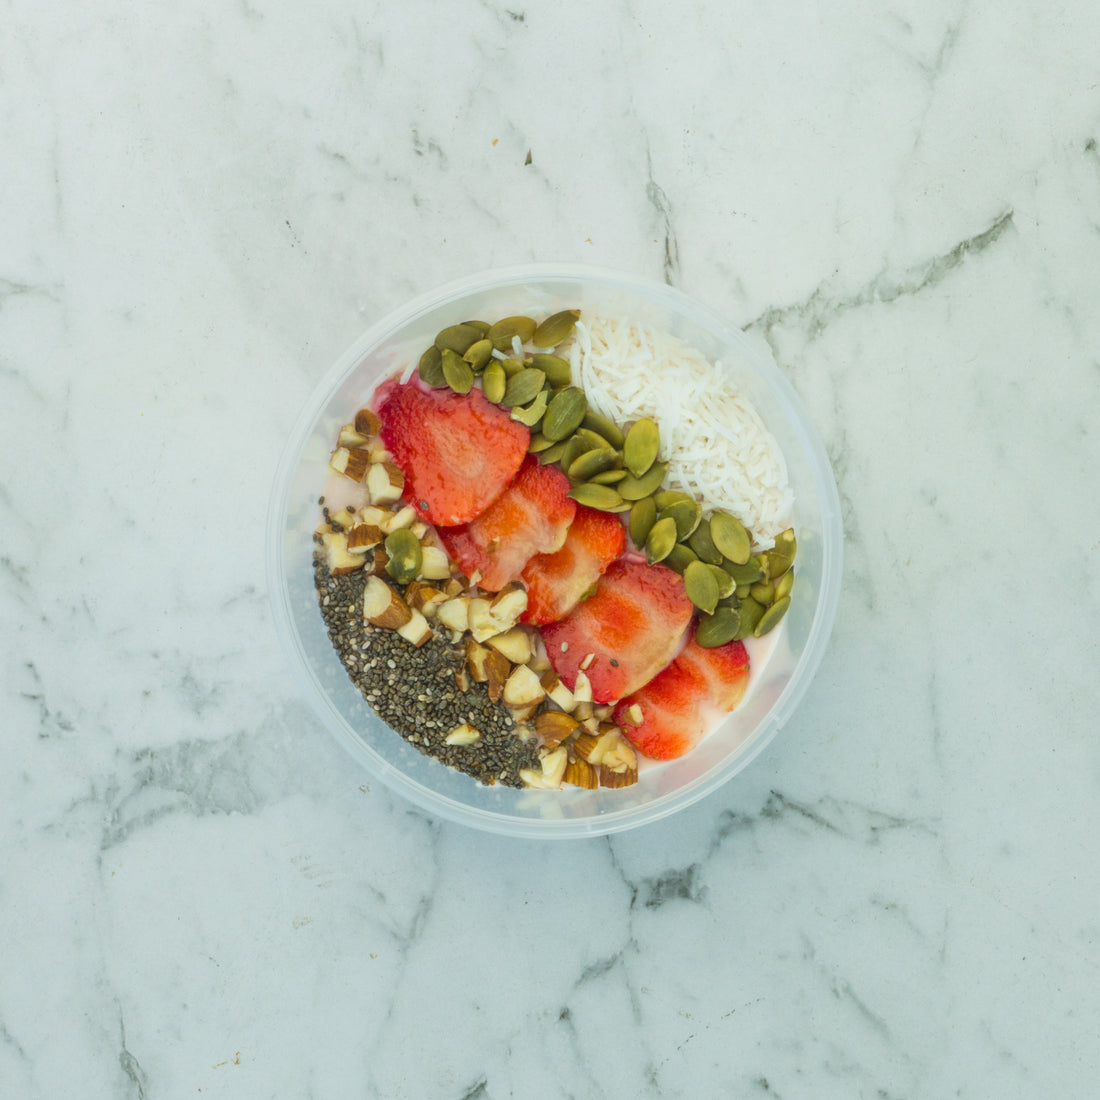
(738, 593)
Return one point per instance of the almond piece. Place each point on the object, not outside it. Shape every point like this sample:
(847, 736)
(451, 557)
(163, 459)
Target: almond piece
(454, 614)
(424, 597)
(553, 767)
(521, 715)
(344, 518)
(337, 556)
(385, 483)
(554, 726)
(363, 537)
(482, 625)
(579, 773)
(522, 689)
(462, 679)
(379, 517)
(463, 735)
(377, 451)
(405, 517)
(508, 604)
(556, 691)
(604, 745)
(515, 644)
(615, 779)
(382, 606)
(352, 462)
(633, 715)
(583, 744)
(367, 423)
(477, 660)
(377, 560)
(349, 437)
(499, 668)
(416, 630)
(434, 563)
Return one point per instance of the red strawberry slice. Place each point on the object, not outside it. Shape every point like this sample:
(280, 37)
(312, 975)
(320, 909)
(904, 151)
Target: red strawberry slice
(457, 452)
(633, 624)
(683, 700)
(531, 516)
(557, 582)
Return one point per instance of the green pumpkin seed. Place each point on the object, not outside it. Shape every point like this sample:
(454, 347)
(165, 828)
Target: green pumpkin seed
(478, 354)
(700, 584)
(538, 443)
(430, 368)
(556, 328)
(723, 580)
(718, 629)
(668, 496)
(494, 381)
(591, 439)
(557, 370)
(634, 488)
(502, 332)
(751, 613)
(730, 536)
(741, 590)
(602, 497)
(763, 592)
(565, 413)
(531, 414)
(511, 366)
(608, 477)
(770, 619)
(784, 585)
(552, 454)
(660, 540)
(680, 557)
(750, 573)
(685, 513)
(643, 515)
(405, 555)
(593, 462)
(457, 371)
(641, 445)
(522, 387)
(601, 425)
(481, 326)
(574, 448)
(786, 544)
(457, 338)
(703, 544)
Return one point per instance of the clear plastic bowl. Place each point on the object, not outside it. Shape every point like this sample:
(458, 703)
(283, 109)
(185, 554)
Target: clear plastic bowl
(662, 788)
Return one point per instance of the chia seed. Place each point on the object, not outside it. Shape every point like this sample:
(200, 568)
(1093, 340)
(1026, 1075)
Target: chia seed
(421, 703)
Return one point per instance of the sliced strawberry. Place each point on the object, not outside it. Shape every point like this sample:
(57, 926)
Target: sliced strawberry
(457, 452)
(557, 582)
(683, 700)
(531, 516)
(633, 624)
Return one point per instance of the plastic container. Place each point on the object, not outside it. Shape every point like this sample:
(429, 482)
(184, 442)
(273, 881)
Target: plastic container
(662, 788)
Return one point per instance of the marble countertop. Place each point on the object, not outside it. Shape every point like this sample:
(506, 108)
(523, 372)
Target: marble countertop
(204, 205)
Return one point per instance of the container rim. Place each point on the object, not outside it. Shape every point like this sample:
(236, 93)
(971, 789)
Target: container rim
(443, 806)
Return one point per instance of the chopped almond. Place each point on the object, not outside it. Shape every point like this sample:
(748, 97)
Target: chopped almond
(454, 614)
(424, 597)
(349, 437)
(404, 517)
(337, 556)
(515, 644)
(477, 660)
(463, 735)
(508, 604)
(416, 630)
(554, 726)
(615, 779)
(499, 669)
(382, 606)
(385, 483)
(352, 462)
(579, 773)
(482, 624)
(363, 537)
(522, 688)
(366, 423)
(434, 564)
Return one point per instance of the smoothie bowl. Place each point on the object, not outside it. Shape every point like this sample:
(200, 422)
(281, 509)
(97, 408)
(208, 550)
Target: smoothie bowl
(554, 551)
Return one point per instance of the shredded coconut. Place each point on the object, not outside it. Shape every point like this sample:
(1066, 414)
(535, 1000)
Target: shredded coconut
(717, 446)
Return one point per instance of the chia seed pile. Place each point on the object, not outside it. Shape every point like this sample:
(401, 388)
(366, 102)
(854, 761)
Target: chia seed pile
(414, 691)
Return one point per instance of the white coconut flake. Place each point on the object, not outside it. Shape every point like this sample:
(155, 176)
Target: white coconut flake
(717, 446)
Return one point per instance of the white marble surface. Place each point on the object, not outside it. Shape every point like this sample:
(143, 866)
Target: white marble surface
(202, 205)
